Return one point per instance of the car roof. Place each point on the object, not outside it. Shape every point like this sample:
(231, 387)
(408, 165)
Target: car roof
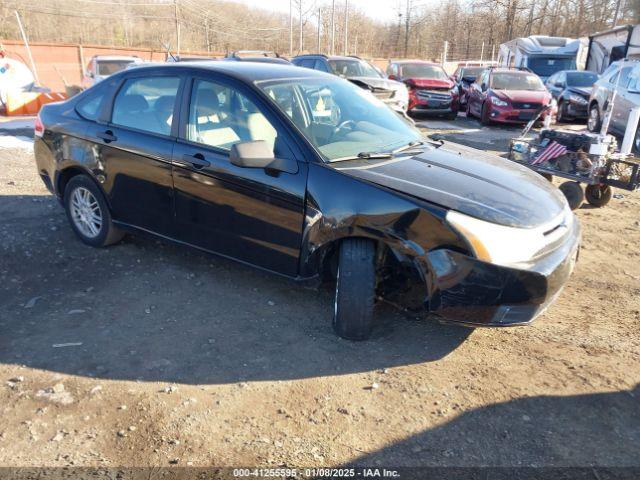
(328, 57)
(244, 71)
(416, 62)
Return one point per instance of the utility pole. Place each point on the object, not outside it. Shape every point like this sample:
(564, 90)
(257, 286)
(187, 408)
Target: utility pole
(493, 52)
(482, 52)
(319, 24)
(444, 52)
(290, 28)
(617, 12)
(177, 20)
(206, 32)
(407, 20)
(26, 44)
(346, 27)
(333, 26)
(301, 39)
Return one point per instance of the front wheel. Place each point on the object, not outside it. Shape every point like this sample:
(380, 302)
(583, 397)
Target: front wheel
(598, 195)
(355, 289)
(594, 123)
(88, 213)
(561, 117)
(484, 118)
(573, 193)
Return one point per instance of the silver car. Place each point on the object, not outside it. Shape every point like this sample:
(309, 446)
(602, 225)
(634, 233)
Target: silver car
(627, 98)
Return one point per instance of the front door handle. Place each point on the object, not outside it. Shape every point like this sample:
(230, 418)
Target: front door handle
(196, 160)
(107, 136)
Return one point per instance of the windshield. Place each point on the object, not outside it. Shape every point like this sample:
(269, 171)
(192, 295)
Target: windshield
(338, 118)
(547, 66)
(581, 79)
(516, 81)
(471, 72)
(353, 68)
(417, 70)
(109, 67)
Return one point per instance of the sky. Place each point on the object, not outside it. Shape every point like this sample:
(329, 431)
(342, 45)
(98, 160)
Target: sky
(384, 10)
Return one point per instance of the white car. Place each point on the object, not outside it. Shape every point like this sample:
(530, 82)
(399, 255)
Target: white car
(102, 66)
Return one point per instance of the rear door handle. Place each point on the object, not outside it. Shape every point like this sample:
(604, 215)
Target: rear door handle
(107, 136)
(196, 160)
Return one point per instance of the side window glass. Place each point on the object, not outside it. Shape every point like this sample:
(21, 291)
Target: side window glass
(89, 107)
(307, 63)
(146, 104)
(624, 77)
(220, 116)
(320, 65)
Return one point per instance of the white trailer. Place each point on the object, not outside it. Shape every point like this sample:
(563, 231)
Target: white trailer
(616, 44)
(541, 54)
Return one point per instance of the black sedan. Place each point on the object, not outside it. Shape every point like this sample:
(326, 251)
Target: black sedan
(571, 89)
(304, 174)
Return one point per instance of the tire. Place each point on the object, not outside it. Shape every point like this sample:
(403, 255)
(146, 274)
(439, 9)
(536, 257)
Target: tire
(574, 194)
(468, 110)
(451, 115)
(355, 289)
(594, 122)
(598, 195)
(561, 116)
(88, 213)
(483, 116)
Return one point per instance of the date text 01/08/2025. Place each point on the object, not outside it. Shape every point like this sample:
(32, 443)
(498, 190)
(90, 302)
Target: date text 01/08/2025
(315, 473)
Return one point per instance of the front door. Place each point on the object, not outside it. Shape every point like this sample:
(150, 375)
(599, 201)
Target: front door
(250, 214)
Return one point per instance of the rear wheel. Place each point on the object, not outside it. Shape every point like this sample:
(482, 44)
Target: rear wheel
(594, 123)
(88, 213)
(355, 289)
(574, 194)
(598, 195)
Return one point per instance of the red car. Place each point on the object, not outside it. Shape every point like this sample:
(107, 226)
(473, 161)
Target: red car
(507, 96)
(430, 88)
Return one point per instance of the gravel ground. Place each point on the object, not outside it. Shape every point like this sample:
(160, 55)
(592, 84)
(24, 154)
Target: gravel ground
(149, 354)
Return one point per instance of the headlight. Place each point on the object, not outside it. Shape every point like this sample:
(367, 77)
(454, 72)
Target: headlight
(508, 246)
(498, 103)
(577, 99)
(402, 94)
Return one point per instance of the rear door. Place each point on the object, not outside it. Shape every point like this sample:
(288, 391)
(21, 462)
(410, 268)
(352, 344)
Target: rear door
(250, 214)
(135, 148)
(134, 145)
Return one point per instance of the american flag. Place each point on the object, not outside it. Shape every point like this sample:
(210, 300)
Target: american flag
(553, 150)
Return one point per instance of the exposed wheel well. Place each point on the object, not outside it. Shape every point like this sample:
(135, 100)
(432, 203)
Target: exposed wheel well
(64, 176)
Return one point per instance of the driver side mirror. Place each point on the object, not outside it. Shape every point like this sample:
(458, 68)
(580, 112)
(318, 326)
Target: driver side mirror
(258, 154)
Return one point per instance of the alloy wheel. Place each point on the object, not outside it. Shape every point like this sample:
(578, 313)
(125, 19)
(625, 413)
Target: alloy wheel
(86, 213)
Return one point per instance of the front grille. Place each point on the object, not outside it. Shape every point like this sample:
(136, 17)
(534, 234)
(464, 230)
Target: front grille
(526, 105)
(434, 95)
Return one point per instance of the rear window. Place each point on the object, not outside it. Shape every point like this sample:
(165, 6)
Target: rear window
(146, 104)
(109, 67)
(581, 79)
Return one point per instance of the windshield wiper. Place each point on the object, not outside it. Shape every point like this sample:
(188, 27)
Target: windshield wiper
(373, 155)
(417, 143)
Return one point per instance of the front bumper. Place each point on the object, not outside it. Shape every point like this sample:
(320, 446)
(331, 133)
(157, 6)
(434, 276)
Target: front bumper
(471, 292)
(512, 115)
(577, 110)
(432, 102)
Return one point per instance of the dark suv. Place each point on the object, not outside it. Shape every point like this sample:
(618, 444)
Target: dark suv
(361, 73)
(303, 174)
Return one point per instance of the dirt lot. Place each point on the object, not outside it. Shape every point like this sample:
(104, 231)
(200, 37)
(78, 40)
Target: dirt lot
(148, 354)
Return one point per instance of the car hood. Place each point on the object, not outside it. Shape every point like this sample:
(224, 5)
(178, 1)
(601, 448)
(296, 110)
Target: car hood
(467, 180)
(542, 96)
(375, 82)
(429, 83)
(583, 91)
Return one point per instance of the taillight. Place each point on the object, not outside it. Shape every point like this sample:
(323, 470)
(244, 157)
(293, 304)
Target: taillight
(38, 128)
